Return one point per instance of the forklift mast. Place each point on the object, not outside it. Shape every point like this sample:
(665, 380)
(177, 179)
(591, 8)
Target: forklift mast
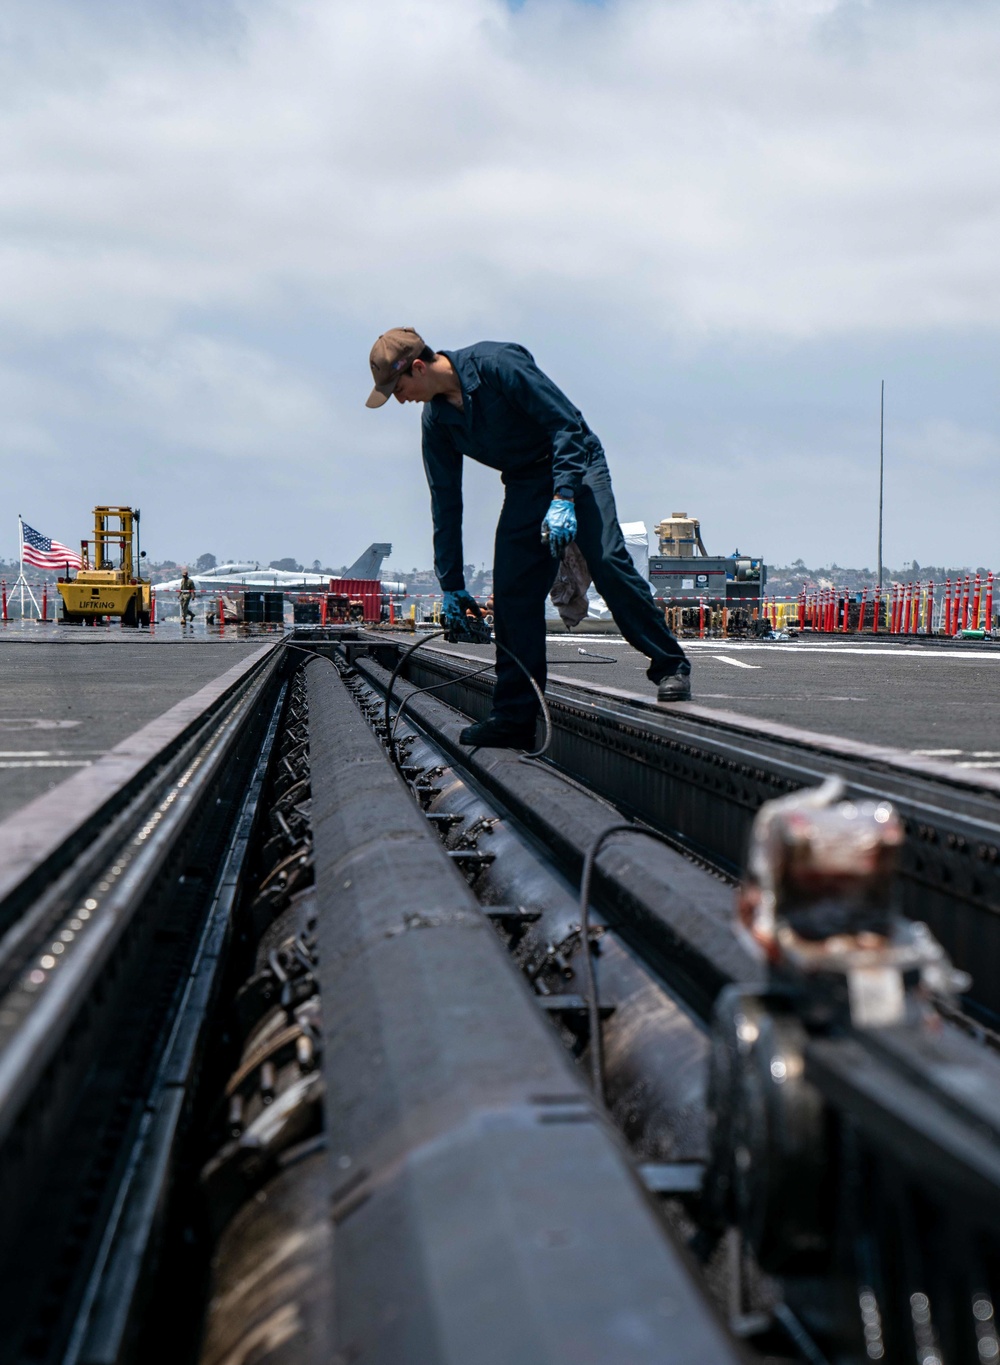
(112, 543)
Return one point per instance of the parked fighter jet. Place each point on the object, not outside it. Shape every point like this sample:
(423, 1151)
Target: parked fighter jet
(253, 575)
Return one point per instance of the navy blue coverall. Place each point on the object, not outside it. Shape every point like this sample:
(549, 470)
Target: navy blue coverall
(516, 420)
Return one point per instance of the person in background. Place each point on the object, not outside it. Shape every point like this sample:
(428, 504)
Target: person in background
(187, 591)
(491, 403)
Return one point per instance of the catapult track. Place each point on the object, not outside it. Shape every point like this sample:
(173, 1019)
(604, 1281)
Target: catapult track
(328, 1016)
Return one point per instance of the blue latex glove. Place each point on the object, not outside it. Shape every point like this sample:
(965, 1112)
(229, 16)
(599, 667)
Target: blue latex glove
(559, 526)
(454, 605)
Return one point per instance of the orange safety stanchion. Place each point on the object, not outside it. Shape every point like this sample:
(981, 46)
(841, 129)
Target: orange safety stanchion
(802, 608)
(847, 611)
(324, 602)
(892, 609)
(918, 606)
(864, 608)
(45, 603)
(946, 624)
(876, 608)
(3, 598)
(897, 607)
(976, 603)
(152, 608)
(222, 617)
(965, 602)
(701, 618)
(904, 608)
(929, 625)
(989, 601)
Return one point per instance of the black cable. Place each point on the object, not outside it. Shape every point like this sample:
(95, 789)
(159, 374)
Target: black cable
(432, 687)
(435, 634)
(391, 732)
(593, 1004)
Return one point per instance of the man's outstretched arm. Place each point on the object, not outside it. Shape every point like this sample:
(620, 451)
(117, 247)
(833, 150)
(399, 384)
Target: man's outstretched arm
(443, 466)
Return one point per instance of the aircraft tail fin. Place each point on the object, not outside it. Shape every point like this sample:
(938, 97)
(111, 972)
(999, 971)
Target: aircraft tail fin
(369, 563)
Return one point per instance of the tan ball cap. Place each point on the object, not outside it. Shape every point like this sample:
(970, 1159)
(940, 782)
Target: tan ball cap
(391, 354)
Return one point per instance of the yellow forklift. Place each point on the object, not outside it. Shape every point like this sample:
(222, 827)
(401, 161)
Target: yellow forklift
(109, 581)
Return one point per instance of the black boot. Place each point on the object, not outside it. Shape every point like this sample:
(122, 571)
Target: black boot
(498, 734)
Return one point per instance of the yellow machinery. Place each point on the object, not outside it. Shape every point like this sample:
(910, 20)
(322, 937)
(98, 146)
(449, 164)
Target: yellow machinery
(109, 581)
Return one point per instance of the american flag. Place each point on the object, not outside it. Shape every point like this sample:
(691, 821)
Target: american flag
(44, 553)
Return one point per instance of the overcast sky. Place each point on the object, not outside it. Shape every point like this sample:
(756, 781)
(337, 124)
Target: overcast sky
(718, 225)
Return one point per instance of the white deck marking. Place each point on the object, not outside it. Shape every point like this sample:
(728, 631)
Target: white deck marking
(46, 763)
(736, 663)
(899, 652)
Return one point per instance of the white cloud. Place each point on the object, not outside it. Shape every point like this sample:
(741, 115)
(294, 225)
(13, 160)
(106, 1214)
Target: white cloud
(682, 173)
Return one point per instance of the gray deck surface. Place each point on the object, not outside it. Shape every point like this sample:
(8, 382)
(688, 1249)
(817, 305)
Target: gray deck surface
(925, 697)
(66, 698)
(67, 694)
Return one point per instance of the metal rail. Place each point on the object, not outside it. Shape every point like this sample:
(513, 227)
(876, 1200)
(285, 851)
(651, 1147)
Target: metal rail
(94, 978)
(863, 1160)
(701, 778)
(465, 1154)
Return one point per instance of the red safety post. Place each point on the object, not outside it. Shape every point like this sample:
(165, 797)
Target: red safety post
(897, 608)
(966, 589)
(802, 608)
(45, 603)
(324, 602)
(911, 600)
(892, 609)
(976, 603)
(847, 610)
(918, 607)
(864, 608)
(3, 597)
(701, 618)
(989, 602)
(904, 608)
(152, 608)
(929, 624)
(946, 623)
(222, 617)
(876, 608)
(831, 610)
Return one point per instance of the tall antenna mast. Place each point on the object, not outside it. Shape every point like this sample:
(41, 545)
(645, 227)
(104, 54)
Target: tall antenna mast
(881, 479)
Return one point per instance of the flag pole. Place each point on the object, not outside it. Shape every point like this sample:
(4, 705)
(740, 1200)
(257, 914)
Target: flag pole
(881, 478)
(22, 582)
